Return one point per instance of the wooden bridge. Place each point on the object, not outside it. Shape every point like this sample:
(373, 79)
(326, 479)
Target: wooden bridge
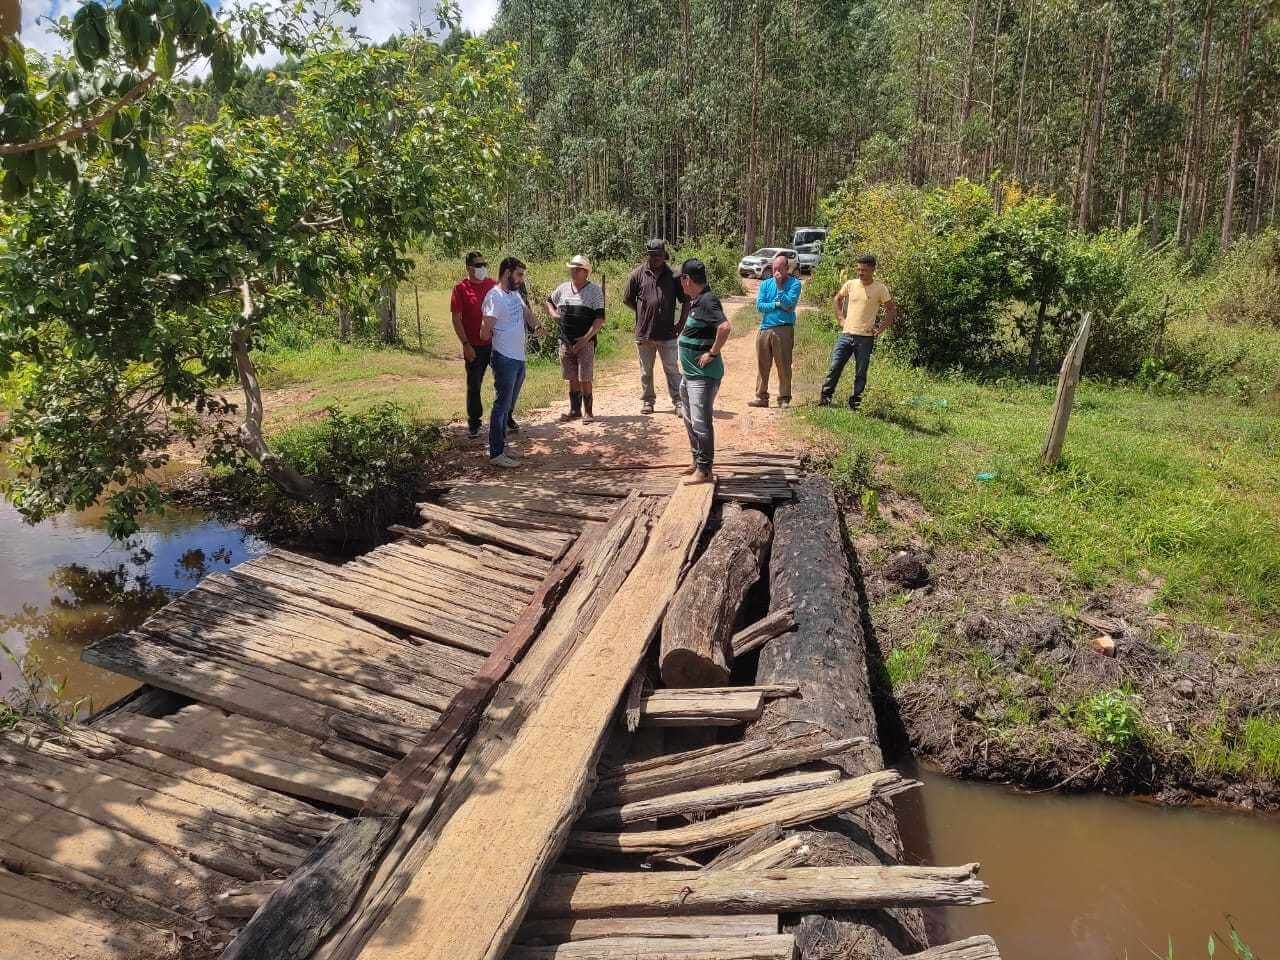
(415, 753)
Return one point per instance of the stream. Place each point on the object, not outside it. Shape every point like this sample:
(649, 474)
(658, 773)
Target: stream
(64, 584)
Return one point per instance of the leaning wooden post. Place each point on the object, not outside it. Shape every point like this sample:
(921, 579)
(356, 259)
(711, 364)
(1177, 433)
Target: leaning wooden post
(417, 309)
(1068, 379)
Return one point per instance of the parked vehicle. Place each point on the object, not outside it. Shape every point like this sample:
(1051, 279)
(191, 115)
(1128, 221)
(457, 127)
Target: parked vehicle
(808, 243)
(758, 264)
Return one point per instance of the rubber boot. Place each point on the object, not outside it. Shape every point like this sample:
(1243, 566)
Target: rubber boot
(587, 415)
(575, 407)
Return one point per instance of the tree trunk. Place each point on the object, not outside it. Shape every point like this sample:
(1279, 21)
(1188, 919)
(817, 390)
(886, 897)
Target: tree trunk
(1095, 132)
(1194, 124)
(1238, 134)
(344, 320)
(1022, 92)
(827, 655)
(388, 329)
(697, 632)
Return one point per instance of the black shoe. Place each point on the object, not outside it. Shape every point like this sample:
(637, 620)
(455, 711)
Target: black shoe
(473, 433)
(824, 401)
(513, 427)
(855, 403)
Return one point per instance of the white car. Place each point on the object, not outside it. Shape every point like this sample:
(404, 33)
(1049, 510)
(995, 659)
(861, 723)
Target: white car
(810, 255)
(759, 263)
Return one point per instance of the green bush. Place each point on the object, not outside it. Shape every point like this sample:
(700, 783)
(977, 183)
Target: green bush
(534, 240)
(603, 234)
(1244, 286)
(720, 254)
(1111, 718)
(370, 466)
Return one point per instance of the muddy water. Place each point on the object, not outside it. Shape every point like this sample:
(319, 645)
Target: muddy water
(63, 584)
(1096, 877)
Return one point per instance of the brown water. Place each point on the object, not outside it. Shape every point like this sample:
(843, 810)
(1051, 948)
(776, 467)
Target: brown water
(64, 584)
(1097, 877)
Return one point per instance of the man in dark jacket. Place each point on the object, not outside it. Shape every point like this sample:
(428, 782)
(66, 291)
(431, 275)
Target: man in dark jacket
(653, 292)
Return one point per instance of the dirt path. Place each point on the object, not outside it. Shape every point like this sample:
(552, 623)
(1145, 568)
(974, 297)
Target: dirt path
(622, 434)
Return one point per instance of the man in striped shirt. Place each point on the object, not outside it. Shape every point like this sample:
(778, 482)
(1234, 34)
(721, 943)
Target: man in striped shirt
(577, 306)
(701, 366)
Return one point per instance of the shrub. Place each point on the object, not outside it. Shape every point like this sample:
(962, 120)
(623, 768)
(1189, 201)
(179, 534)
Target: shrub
(534, 240)
(720, 254)
(603, 234)
(1244, 286)
(1110, 717)
(371, 466)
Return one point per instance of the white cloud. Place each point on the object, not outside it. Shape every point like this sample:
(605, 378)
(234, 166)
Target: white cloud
(37, 33)
(477, 15)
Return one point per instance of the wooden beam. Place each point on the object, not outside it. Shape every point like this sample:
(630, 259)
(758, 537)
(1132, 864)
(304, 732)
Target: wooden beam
(698, 627)
(715, 707)
(762, 631)
(315, 896)
(706, 800)
(548, 546)
(973, 948)
(564, 929)
(785, 811)
(792, 851)
(728, 763)
(1068, 380)
(778, 946)
(798, 890)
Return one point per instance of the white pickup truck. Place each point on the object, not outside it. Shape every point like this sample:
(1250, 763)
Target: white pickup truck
(807, 242)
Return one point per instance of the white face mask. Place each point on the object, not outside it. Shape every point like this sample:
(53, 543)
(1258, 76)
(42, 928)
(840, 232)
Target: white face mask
(480, 272)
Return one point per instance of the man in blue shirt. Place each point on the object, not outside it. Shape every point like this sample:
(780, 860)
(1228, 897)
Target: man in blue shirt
(779, 293)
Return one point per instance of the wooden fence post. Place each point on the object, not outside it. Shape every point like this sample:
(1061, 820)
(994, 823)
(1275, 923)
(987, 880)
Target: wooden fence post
(1068, 378)
(417, 309)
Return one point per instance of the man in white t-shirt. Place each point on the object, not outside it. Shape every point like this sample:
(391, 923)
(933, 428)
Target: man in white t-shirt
(507, 318)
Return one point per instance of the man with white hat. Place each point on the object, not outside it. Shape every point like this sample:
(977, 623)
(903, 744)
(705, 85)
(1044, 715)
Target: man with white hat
(577, 306)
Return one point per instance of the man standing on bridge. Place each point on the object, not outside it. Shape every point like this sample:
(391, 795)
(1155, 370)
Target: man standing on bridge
(776, 301)
(653, 292)
(577, 305)
(465, 306)
(857, 308)
(704, 333)
(507, 317)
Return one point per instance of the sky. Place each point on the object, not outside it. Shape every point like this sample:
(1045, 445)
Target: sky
(378, 19)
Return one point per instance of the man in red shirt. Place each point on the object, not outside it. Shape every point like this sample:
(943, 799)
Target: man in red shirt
(468, 298)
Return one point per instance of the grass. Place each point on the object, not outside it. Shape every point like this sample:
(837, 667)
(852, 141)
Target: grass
(1178, 486)
(907, 662)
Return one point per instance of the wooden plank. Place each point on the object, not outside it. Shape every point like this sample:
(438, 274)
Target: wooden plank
(707, 767)
(520, 823)
(405, 784)
(778, 946)
(392, 740)
(698, 627)
(256, 752)
(756, 635)
(548, 546)
(567, 929)
(706, 800)
(303, 909)
(722, 707)
(1068, 380)
(621, 544)
(726, 828)
(972, 948)
(798, 890)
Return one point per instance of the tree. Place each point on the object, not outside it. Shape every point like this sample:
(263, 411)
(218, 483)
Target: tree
(129, 302)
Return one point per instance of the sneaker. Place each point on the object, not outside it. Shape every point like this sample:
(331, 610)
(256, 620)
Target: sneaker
(473, 433)
(647, 408)
(855, 403)
(758, 402)
(504, 460)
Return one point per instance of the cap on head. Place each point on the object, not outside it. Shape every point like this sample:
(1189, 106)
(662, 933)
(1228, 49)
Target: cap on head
(579, 262)
(474, 257)
(695, 270)
(868, 258)
(656, 246)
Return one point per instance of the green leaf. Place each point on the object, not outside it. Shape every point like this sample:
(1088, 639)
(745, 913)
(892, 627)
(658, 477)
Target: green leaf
(166, 57)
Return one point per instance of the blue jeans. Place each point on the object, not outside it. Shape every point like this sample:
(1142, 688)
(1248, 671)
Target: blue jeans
(849, 345)
(508, 378)
(698, 395)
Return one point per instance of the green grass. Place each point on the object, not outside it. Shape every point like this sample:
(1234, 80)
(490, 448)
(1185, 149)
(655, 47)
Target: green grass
(907, 663)
(1181, 485)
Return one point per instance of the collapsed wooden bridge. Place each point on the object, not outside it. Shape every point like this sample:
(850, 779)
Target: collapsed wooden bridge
(467, 744)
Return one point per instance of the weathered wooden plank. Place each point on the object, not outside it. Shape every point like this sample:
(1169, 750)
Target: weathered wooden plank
(778, 946)
(762, 631)
(249, 750)
(392, 740)
(306, 906)
(538, 784)
(567, 929)
(797, 890)
(707, 767)
(714, 707)
(706, 800)
(698, 627)
(547, 545)
(726, 828)
(972, 948)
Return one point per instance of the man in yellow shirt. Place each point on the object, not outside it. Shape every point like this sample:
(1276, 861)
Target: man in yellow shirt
(858, 307)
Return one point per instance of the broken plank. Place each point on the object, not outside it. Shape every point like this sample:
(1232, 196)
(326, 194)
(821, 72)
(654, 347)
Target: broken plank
(762, 631)
(797, 890)
(972, 948)
(548, 546)
(777, 946)
(566, 929)
(518, 826)
(726, 828)
(714, 707)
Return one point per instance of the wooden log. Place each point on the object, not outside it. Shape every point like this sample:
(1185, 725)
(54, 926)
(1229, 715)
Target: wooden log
(1068, 380)
(566, 929)
(749, 845)
(790, 851)
(717, 707)
(706, 800)
(305, 907)
(762, 631)
(547, 545)
(728, 763)
(241, 903)
(798, 890)
(621, 545)
(778, 946)
(698, 627)
(827, 655)
(785, 811)
(980, 947)
(518, 825)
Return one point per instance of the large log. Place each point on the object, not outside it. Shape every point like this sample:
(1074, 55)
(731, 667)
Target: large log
(827, 656)
(777, 946)
(718, 831)
(797, 890)
(517, 826)
(697, 631)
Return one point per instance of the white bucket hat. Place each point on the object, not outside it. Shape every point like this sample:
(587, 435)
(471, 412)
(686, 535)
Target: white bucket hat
(580, 261)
